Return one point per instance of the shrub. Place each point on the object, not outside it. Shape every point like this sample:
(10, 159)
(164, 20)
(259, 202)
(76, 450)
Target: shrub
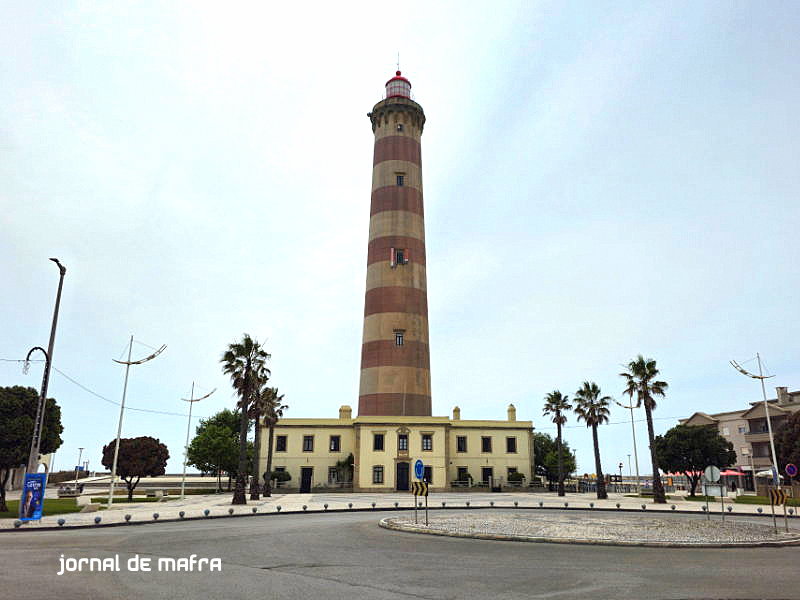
(515, 477)
(281, 476)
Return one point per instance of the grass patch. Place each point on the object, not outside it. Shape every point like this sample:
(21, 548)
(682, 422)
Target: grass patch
(764, 500)
(52, 506)
(648, 496)
(701, 498)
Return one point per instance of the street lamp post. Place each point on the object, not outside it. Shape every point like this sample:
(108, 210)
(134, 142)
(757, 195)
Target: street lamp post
(620, 475)
(78, 465)
(635, 452)
(38, 424)
(191, 400)
(127, 364)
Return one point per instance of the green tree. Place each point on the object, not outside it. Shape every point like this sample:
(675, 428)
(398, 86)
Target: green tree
(17, 414)
(244, 362)
(690, 449)
(545, 455)
(344, 468)
(640, 380)
(593, 410)
(556, 405)
(787, 441)
(138, 457)
(215, 445)
(273, 411)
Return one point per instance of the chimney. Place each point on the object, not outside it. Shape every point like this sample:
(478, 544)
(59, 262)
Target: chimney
(783, 395)
(345, 412)
(456, 413)
(512, 413)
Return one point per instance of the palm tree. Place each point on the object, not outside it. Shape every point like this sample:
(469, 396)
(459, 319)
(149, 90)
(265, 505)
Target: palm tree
(639, 380)
(274, 411)
(593, 409)
(556, 405)
(244, 361)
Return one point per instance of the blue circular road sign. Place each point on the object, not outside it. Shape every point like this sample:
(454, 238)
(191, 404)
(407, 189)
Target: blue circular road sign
(419, 469)
(791, 470)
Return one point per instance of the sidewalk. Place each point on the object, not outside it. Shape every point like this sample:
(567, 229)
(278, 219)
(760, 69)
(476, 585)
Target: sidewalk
(220, 505)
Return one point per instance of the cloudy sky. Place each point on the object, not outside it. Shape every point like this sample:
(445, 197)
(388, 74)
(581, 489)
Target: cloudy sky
(601, 180)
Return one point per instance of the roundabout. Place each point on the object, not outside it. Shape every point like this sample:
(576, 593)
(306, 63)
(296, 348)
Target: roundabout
(598, 529)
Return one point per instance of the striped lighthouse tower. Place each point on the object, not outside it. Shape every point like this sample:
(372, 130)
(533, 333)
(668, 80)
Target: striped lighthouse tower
(395, 361)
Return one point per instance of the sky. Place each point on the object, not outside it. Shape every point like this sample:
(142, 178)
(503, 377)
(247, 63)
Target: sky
(601, 180)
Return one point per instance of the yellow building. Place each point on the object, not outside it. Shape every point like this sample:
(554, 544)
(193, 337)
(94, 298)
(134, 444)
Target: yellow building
(384, 449)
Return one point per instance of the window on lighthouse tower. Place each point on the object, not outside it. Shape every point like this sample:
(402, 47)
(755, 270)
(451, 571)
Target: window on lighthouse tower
(399, 335)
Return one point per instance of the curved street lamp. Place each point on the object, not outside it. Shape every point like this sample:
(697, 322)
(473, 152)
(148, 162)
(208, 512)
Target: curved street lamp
(127, 364)
(633, 432)
(191, 400)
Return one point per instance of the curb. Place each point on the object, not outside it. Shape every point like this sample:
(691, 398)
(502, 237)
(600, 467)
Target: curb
(151, 521)
(387, 523)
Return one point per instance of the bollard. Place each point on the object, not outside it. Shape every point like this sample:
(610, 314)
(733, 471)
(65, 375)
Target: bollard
(566, 504)
(396, 504)
(304, 507)
(17, 524)
(278, 508)
(591, 504)
(515, 503)
(350, 505)
(541, 504)
(791, 512)
(155, 516)
(618, 505)
(255, 509)
(644, 506)
(325, 506)
(759, 509)
(230, 511)
(373, 505)
(181, 514)
(97, 520)
(467, 503)
(491, 502)
(730, 508)
(704, 509)
(127, 518)
(673, 507)
(443, 504)
(206, 512)
(61, 522)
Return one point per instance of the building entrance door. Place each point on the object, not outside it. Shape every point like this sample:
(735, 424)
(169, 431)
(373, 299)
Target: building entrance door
(402, 476)
(305, 480)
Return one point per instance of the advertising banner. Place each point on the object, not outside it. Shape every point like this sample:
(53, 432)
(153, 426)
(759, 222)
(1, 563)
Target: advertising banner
(30, 507)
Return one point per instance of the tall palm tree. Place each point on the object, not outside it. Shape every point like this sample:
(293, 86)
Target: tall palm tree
(556, 405)
(593, 410)
(244, 361)
(257, 411)
(274, 411)
(640, 380)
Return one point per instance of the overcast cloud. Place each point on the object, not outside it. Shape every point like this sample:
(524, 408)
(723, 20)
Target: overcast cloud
(601, 180)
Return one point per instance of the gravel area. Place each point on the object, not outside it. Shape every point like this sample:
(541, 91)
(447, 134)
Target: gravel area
(580, 527)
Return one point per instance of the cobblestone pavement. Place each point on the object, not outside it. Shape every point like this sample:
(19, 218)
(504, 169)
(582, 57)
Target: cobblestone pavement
(624, 528)
(220, 505)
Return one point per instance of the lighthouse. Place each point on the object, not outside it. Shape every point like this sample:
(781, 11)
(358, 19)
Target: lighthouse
(395, 357)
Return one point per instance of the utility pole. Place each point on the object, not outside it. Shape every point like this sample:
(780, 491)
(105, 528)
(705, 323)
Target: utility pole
(38, 424)
(635, 452)
(191, 402)
(127, 364)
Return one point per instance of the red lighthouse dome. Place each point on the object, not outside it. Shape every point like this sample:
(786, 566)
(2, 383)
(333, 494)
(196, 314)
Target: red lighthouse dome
(398, 86)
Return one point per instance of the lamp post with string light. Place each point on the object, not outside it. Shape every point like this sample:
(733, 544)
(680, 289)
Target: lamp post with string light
(635, 453)
(127, 364)
(191, 400)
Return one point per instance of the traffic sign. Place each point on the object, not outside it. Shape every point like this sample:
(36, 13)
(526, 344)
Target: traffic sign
(419, 488)
(711, 474)
(777, 496)
(791, 470)
(419, 469)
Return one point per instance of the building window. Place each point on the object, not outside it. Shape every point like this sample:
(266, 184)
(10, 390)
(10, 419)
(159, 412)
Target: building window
(726, 431)
(511, 445)
(280, 443)
(742, 429)
(377, 474)
(461, 443)
(511, 470)
(336, 443)
(280, 469)
(427, 442)
(399, 127)
(487, 474)
(333, 475)
(401, 180)
(399, 334)
(402, 442)
(463, 474)
(428, 474)
(486, 443)
(308, 443)
(377, 441)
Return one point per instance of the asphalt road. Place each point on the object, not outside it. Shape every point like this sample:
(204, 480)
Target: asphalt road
(348, 556)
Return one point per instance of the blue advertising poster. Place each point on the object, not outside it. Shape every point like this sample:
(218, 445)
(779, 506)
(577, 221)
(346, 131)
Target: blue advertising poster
(30, 507)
